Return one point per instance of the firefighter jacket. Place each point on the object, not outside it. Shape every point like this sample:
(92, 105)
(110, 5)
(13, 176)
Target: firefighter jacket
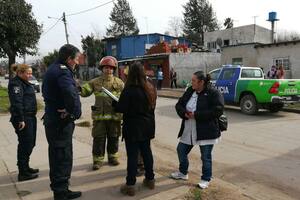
(103, 110)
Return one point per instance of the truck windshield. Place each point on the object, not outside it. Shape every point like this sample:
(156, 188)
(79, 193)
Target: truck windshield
(251, 73)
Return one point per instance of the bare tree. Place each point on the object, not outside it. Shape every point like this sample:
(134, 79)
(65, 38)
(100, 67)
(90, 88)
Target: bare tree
(283, 36)
(175, 26)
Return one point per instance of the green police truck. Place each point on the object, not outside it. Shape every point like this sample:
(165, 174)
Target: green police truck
(247, 87)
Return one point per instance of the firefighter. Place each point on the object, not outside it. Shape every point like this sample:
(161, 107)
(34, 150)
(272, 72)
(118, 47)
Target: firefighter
(106, 122)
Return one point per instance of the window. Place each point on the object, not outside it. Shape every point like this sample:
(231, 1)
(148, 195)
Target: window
(215, 74)
(226, 42)
(228, 74)
(237, 61)
(211, 45)
(285, 62)
(251, 73)
(114, 50)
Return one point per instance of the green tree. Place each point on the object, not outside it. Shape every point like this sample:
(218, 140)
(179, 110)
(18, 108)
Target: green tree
(50, 58)
(199, 18)
(19, 30)
(228, 23)
(93, 48)
(123, 22)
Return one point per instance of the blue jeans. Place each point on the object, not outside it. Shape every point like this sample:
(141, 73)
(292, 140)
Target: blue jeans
(183, 150)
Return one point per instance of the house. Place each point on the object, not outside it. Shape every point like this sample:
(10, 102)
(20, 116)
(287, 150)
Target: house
(216, 40)
(128, 47)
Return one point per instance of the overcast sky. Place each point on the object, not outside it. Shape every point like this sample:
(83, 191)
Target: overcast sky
(152, 16)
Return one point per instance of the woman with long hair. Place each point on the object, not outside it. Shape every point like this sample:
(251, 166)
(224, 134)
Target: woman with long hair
(199, 108)
(137, 103)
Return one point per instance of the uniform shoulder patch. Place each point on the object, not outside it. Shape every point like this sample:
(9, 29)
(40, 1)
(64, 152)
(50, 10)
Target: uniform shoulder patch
(63, 67)
(17, 89)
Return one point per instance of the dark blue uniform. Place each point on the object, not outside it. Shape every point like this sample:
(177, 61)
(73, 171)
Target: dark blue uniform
(23, 108)
(60, 92)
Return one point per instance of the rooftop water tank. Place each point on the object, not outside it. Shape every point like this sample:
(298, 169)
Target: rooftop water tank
(272, 16)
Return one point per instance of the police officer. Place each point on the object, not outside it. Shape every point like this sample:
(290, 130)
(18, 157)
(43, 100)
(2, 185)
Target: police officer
(23, 109)
(106, 122)
(62, 108)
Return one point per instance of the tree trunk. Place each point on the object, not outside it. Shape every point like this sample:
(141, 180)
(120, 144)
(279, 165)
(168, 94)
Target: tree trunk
(11, 61)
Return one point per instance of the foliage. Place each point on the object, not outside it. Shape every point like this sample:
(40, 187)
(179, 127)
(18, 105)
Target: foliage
(19, 30)
(228, 23)
(198, 19)
(50, 58)
(4, 101)
(93, 48)
(175, 26)
(283, 36)
(123, 22)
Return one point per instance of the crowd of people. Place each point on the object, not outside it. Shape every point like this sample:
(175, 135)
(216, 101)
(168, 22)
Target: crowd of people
(199, 108)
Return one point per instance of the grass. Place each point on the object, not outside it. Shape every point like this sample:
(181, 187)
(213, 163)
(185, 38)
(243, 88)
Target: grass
(4, 101)
(194, 194)
(293, 106)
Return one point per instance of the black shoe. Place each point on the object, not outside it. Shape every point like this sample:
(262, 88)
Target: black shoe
(73, 194)
(27, 176)
(60, 196)
(33, 171)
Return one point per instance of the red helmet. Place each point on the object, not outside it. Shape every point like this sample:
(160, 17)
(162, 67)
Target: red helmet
(108, 61)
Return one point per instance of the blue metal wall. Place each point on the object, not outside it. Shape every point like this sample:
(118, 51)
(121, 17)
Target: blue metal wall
(132, 46)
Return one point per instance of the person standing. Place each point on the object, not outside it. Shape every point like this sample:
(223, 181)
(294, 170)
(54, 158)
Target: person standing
(160, 77)
(23, 108)
(173, 76)
(106, 122)
(280, 72)
(137, 103)
(272, 72)
(62, 108)
(199, 108)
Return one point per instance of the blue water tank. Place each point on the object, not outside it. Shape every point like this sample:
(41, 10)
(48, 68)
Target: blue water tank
(272, 16)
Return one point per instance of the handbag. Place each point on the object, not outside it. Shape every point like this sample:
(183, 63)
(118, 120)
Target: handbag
(223, 123)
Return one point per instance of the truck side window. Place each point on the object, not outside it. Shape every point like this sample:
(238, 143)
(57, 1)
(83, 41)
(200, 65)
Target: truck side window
(228, 74)
(215, 74)
(251, 73)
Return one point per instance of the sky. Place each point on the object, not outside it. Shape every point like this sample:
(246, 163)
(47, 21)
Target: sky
(152, 17)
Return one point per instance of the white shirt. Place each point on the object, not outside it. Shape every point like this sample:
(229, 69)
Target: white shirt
(189, 135)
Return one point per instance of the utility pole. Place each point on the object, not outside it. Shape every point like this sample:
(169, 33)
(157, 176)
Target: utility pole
(254, 17)
(66, 30)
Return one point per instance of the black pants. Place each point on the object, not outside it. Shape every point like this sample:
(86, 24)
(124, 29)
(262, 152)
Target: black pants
(132, 148)
(159, 84)
(26, 138)
(60, 152)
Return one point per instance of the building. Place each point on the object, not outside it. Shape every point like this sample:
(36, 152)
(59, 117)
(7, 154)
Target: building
(128, 47)
(286, 54)
(216, 40)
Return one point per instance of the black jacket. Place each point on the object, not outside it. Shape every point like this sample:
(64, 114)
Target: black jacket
(138, 117)
(22, 99)
(210, 105)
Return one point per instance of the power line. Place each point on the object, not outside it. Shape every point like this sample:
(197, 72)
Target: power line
(87, 10)
(52, 26)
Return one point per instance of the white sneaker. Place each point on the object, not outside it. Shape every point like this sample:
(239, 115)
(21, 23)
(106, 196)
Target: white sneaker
(203, 184)
(179, 175)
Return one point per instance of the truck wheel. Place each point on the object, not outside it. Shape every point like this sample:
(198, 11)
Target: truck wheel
(273, 108)
(249, 105)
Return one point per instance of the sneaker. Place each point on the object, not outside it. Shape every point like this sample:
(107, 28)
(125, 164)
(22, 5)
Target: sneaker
(179, 175)
(203, 184)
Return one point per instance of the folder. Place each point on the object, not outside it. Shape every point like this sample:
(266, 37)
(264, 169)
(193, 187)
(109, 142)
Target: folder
(111, 95)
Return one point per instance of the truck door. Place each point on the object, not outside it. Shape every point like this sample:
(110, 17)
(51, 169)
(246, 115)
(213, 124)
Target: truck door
(226, 83)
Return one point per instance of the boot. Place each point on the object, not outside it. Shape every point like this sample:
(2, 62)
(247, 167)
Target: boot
(113, 161)
(60, 196)
(149, 183)
(73, 194)
(32, 170)
(128, 190)
(97, 165)
(25, 176)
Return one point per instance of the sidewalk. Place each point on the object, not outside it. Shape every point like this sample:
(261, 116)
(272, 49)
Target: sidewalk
(103, 184)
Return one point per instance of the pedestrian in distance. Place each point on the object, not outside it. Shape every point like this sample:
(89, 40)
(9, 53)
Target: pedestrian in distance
(280, 72)
(23, 108)
(137, 103)
(62, 108)
(106, 122)
(160, 78)
(199, 108)
(173, 77)
(272, 72)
